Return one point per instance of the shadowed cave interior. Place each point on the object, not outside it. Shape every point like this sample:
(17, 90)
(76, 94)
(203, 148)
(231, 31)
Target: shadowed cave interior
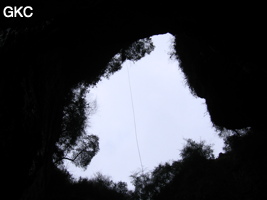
(44, 80)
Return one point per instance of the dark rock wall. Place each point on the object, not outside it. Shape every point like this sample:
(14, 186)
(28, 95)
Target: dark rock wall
(221, 53)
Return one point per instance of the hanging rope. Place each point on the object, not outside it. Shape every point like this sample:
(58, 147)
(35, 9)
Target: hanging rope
(135, 129)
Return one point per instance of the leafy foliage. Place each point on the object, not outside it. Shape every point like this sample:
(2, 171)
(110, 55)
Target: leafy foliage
(141, 182)
(138, 49)
(86, 149)
(239, 173)
(63, 186)
(73, 139)
(149, 185)
(134, 52)
(230, 135)
(236, 174)
(193, 150)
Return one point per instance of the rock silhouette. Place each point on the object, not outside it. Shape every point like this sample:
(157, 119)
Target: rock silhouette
(67, 43)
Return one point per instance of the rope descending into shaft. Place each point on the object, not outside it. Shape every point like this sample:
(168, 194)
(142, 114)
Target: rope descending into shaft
(135, 129)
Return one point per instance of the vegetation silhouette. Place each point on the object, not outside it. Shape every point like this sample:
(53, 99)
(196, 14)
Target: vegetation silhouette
(100, 187)
(68, 139)
(235, 174)
(73, 138)
(49, 60)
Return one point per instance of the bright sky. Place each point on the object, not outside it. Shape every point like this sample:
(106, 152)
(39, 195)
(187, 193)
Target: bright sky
(166, 113)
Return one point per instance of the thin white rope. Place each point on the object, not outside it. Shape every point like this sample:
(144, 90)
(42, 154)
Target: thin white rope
(135, 129)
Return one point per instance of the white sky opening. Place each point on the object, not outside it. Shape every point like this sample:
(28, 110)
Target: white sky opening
(166, 113)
